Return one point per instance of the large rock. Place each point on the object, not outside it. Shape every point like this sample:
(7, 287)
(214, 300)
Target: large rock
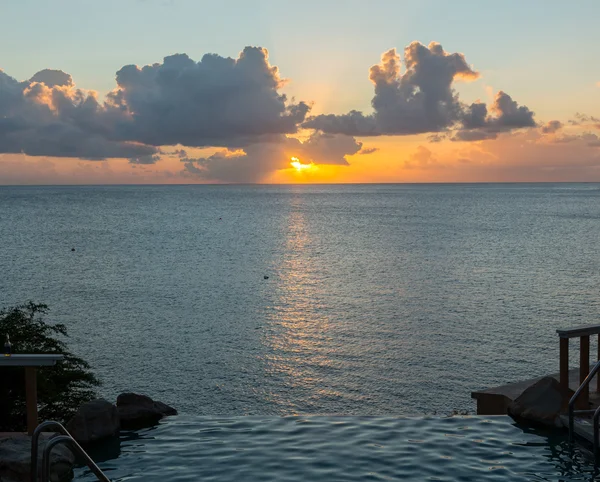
(542, 403)
(93, 421)
(140, 411)
(15, 459)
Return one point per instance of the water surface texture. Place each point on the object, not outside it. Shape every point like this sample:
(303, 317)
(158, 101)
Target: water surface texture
(190, 449)
(380, 299)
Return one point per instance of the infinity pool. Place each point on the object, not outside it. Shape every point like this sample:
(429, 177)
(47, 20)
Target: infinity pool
(319, 448)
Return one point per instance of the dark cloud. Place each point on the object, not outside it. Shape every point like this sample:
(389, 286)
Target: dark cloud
(581, 119)
(257, 161)
(506, 115)
(367, 150)
(436, 137)
(150, 159)
(59, 120)
(328, 148)
(215, 102)
(422, 100)
(53, 78)
(471, 135)
(181, 153)
(552, 126)
(419, 101)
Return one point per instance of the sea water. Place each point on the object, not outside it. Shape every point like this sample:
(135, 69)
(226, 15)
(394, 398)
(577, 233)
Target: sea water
(380, 299)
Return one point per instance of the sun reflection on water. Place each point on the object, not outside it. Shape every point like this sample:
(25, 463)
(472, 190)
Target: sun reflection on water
(299, 343)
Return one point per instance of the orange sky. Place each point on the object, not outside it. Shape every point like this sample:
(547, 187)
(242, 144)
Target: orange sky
(526, 156)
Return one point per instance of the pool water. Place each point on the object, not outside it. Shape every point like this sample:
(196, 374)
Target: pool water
(319, 448)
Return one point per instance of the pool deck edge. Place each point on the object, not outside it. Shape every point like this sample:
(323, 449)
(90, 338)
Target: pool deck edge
(496, 400)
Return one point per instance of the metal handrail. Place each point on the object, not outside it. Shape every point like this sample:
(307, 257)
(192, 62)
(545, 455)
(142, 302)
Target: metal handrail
(34, 443)
(573, 399)
(65, 438)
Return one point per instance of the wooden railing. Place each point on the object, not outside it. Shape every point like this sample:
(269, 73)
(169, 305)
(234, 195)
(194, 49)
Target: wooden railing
(584, 333)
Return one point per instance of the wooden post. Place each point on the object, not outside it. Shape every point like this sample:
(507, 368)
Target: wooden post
(31, 399)
(564, 363)
(598, 359)
(584, 367)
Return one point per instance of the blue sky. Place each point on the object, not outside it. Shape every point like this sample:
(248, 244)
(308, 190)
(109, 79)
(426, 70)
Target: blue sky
(540, 50)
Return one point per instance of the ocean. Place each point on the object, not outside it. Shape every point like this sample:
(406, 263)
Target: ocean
(379, 300)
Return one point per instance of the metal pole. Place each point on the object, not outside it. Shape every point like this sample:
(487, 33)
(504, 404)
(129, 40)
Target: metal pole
(34, 444)
(69, 440)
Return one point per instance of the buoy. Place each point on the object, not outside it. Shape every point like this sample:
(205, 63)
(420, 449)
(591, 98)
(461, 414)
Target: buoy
(72, 249)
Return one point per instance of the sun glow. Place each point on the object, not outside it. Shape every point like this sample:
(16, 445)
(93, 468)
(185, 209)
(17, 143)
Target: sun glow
(298, 165)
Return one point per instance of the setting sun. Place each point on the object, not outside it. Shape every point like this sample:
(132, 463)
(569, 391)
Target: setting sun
(299, 166)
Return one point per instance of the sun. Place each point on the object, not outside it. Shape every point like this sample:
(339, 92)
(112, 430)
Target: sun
(299, 166)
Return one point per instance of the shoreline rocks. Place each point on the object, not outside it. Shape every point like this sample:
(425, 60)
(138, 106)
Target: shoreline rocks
(140, 411)
(541, 403)
(93, 421)
(100, 419)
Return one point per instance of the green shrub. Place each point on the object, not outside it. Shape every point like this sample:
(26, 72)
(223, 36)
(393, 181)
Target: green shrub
(61, 388)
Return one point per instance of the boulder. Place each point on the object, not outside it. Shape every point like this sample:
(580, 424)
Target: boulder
(140, 411)
(93, 421)
(15, 459)
(541, 403)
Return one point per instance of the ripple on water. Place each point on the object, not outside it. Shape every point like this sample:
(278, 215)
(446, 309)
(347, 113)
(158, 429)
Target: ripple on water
(340, 449)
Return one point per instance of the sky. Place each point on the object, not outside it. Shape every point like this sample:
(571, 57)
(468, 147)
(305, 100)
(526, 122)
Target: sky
(329, 91)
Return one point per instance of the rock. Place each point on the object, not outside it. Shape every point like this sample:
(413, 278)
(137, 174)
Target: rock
(541, 403)
(93, 421)
(140, 411)
(15, 459)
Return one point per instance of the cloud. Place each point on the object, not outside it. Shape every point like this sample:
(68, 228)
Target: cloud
(583, 119)
(436, 137)
(589, 138)
(53, 78)
(256, 161)
(419, 101)
(552, 126)
(422, 100)
(328, 148)
(423, 158)
(470, 135)
(531, 156)
(149, 159)
(57, 119)
(506, 114)
(217, 101)
(367, 150)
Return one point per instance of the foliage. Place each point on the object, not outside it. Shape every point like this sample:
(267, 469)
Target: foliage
(61, 388)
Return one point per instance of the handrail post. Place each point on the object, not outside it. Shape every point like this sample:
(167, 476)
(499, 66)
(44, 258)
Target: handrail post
(582, 388)
(46, 460)
(598, 377)
(67, 439)
(564, 363)
(584, 367)
(34, 444)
